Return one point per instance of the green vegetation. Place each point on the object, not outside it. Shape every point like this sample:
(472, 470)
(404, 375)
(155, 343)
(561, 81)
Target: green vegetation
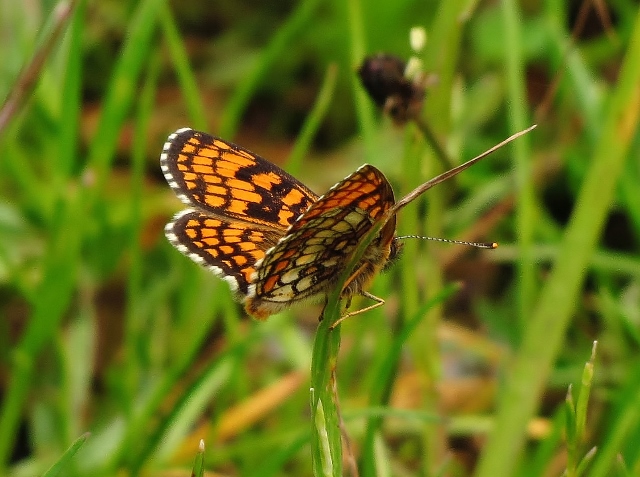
(118, 354)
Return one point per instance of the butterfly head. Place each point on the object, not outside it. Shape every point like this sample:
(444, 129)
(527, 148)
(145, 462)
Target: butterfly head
(395, 251)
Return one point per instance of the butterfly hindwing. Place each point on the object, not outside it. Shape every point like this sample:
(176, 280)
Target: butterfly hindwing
(310, 257)
(228, 248)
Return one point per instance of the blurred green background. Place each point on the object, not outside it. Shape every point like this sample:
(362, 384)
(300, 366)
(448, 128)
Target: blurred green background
(107, 329)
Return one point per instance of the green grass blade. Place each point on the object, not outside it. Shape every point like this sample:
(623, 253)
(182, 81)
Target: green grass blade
(326, 440)
(584, 393)
(52, 300)
(57, 468)
(283, 39)
(140, 424)
(198, 465)
(313, 121)
(518, 120)
(135, 318)
(383, 383)
(559, 296)
(71, 98)
(121, 91)
(185, 413)
(32, 73)
(441, 56)
(185, 76)
(353, 17)
(277, 461)
(622, 430)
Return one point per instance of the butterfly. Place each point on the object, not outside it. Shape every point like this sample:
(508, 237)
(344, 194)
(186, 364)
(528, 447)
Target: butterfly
(275, 242)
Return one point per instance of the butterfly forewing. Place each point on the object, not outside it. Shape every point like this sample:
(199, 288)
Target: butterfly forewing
(226, 180)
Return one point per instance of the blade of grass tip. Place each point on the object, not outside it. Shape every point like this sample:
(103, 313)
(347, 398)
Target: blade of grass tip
(120, 93)
(198, 465)
(585, 461)
(184, 73)
(525, 202)
(622, 468)
(313, 121)
(283, 39)
(383, 383)
(583, 396)
(62, 463)
(560, 294)
(353, 19)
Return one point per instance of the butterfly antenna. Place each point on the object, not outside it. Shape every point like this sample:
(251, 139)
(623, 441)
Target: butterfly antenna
(450, 173)
(489, 245)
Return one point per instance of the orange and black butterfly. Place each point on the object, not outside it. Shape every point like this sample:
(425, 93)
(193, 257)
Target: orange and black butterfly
(270, 237)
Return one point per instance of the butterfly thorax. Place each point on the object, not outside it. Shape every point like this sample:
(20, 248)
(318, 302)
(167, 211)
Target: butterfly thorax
(379, 254)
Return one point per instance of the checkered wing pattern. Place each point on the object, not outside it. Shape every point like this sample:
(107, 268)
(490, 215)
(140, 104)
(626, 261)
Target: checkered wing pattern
(241, 204)
(306, 262)
(221, 178)
(228, 248)
(273, 240)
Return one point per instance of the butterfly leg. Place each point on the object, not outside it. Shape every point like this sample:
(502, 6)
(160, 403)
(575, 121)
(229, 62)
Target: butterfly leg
(347, 305)
(378, 302)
